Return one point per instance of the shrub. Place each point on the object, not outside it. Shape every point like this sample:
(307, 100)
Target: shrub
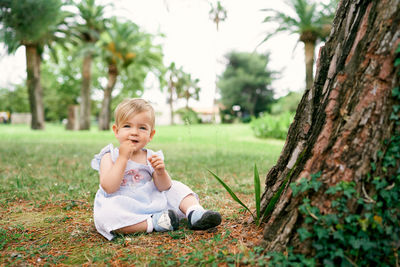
(272, 126)
(189, 116)
(287, 103)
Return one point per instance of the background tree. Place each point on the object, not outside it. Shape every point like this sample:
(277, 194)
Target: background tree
(89, 26)
(344, 142)
(246, 83)
(180, 85)
(217, 13)
(62, 81)
(173, 86)
(311, 22)
(287, 103)
(125, 44)
(189, 88)
(33, 24)
(15, 100)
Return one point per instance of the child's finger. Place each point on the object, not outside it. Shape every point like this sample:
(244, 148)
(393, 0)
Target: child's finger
(152, 157)
(158, 164)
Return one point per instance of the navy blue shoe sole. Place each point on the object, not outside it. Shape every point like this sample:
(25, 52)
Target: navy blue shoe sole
(174, 219)
(209, 220)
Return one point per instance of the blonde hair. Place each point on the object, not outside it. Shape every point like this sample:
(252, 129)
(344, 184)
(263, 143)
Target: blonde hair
(132, 106)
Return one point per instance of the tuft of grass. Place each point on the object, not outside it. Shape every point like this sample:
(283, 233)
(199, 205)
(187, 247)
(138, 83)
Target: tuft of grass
(257, 194)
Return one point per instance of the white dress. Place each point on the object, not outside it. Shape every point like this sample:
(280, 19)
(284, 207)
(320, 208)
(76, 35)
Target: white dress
(136, 199)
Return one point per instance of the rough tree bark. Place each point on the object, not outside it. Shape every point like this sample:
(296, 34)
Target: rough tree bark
(341, 121)
(73, 118)
(105, 112)
(35, 90)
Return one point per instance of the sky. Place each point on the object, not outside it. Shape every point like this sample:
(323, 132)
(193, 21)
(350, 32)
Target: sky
(193, 43)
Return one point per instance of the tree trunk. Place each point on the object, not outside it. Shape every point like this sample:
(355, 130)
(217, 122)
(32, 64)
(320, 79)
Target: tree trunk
(309, 48)
(84, 117)
(73, 118)
(105, 113)
(170, 101)
(35, 91)
(341, 121)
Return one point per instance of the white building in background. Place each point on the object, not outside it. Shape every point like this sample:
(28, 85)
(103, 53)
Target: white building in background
(163, 115)
(158, 99)
(21, 118)
(207, 114)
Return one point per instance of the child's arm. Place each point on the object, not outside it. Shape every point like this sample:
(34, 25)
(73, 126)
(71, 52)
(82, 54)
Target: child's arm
(162, 180)
(112, 173)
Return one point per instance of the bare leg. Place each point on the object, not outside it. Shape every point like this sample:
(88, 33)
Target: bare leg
(139, 227)
(187, 202)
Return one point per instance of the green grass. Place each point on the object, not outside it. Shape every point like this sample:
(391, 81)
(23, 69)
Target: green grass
(47, 189)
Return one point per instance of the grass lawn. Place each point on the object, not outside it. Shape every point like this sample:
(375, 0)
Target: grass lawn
(47, 188)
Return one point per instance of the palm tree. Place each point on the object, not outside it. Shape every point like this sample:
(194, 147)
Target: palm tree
(311, 23)
(217, 13)
(88, 32)
(33, 24)
(189, 88)
(180, 85)
(175, 84)
(123, 45)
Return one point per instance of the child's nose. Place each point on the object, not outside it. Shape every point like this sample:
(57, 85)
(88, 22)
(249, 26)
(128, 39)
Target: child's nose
(134, 130)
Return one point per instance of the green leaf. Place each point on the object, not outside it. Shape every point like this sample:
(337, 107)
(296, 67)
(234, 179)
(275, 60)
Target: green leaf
(355, 243)
(333, 189)
(257, 191)
(373, 166)
(321, 233)
(303, 234)
(396, 92)
(397, 62)
(393, 116)
(295, 188)
(233, 195)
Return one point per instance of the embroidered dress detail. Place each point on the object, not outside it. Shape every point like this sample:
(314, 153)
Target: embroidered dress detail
(132, 176)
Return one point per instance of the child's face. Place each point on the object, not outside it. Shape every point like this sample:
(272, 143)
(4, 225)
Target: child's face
(136, 129)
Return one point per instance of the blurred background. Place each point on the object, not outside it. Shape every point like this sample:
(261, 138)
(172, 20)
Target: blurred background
(200, 61)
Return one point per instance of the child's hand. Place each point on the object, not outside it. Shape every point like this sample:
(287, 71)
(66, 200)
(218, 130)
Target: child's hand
(157, 163)
(126, 148)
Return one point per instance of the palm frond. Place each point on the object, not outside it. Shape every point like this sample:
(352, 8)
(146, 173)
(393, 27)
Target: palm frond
(308, 18)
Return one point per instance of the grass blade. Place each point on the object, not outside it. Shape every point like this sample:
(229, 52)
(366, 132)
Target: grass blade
(233, 195)
(257, 192)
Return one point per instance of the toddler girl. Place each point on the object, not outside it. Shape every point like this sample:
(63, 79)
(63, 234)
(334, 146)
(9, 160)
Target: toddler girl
(136, 193)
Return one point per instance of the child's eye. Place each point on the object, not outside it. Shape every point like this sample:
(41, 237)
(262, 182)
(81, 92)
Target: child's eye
(126, 126)
(143, 128)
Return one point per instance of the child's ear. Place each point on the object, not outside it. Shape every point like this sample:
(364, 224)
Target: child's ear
(152, 134)
(115, 129)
